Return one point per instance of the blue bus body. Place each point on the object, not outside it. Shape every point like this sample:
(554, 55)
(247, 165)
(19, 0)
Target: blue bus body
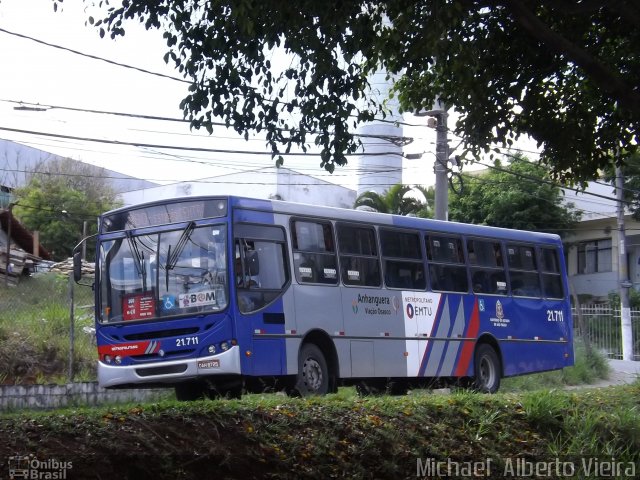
(215, 301)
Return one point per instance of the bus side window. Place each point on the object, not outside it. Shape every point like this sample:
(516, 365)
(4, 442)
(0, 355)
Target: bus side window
(260, 271)
(551, 274)
(359, 256)
(523, 271)
(402, 260)
(486, 266)
(447, 269)
(314, 255)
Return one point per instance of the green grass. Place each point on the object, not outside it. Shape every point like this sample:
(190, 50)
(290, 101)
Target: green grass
(338, 436)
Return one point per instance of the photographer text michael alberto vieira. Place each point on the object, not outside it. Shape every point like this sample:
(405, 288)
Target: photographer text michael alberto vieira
(522, 468)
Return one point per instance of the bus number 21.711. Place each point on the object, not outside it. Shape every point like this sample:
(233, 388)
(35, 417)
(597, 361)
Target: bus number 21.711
(186, 341)
(555, 316)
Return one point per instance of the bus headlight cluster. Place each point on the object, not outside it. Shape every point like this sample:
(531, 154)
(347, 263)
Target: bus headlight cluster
(222, 346)
(110, 359)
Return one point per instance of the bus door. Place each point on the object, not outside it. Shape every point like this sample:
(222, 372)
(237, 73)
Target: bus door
(260, 281)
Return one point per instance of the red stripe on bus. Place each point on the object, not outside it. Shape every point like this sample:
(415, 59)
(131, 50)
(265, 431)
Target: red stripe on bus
(467, 347)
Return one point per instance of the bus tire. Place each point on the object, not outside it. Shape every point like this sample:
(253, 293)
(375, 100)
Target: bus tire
(487, 369)
(189, 391)
(313, 373)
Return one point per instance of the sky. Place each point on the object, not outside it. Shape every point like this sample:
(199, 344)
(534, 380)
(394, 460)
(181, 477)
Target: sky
(36, 73)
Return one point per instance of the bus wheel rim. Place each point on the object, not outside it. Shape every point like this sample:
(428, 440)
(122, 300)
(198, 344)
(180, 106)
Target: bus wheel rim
(486, 372)
(312, 374)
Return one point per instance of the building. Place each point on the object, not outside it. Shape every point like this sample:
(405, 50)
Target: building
(268, 183)
(18, 162)
(592, 248)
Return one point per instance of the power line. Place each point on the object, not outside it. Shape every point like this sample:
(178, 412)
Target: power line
(202, 180)
(394, 139)
(94, 57)
(193, 149)
(162, 75)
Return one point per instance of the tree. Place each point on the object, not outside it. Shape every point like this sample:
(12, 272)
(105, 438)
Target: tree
(565, 72)
(518, 195)
(396, 201)
(58, 198)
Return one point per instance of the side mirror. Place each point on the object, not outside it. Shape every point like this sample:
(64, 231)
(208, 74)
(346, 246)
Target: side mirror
(77, 266)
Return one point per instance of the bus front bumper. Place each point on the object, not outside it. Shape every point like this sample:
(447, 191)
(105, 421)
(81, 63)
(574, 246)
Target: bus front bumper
(225, 363)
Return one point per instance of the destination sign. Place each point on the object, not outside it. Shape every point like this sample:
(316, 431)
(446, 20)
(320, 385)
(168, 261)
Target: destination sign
(163, 214)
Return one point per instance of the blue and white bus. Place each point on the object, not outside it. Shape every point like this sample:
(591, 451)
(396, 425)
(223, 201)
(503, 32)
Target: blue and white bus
(220, 295)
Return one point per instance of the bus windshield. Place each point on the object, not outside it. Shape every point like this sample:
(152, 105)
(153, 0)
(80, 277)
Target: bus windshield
(165, 274)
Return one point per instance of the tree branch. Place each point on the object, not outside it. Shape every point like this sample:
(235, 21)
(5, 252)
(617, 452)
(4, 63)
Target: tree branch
(628, 98)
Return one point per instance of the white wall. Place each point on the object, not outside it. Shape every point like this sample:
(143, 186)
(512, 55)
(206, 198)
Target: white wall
(267, 183)
(299, 188)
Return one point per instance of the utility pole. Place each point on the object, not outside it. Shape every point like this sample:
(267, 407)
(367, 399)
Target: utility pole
(442, 157)
(623, 272)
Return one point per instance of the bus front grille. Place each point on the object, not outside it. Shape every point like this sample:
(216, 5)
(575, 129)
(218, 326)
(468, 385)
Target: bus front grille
(162, 370)
(165, 355)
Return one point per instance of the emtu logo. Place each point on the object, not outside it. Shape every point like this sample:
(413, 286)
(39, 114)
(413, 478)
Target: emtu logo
(354, 306)
(410, 311)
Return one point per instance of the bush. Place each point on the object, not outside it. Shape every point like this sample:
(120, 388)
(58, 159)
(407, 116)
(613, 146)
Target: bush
(634, 298)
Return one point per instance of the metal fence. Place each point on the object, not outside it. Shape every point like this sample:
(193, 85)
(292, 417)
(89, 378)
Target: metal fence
(46, 329)
(602, 323)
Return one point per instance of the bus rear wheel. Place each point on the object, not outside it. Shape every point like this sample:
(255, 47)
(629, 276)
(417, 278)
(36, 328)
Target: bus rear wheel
(313, 373)
(487, 369)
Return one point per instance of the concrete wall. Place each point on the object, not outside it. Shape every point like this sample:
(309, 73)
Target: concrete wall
(13, 397)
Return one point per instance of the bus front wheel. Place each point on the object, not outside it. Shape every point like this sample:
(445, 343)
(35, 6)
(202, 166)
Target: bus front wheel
(487, 369)
(313, 373)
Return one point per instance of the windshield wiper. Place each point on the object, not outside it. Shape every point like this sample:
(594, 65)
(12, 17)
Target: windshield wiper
(141, 268)
(172, 258)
